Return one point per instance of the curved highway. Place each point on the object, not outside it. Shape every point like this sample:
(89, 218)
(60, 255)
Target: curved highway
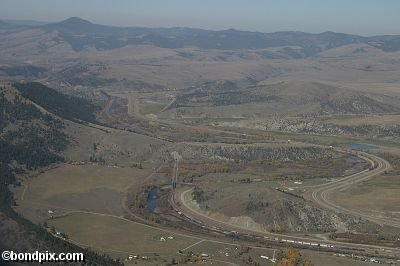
(321, 194)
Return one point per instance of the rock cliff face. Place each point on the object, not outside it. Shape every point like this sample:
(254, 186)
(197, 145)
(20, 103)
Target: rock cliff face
(296, 216)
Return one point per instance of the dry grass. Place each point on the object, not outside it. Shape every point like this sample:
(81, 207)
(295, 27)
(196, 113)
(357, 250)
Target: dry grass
(69, 187)
(378, 196)
(114, 146)
(331, 260)
(72, 179)
(118, 235)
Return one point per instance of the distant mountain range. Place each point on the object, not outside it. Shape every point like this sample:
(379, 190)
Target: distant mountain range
(81, 34)
(24, 22)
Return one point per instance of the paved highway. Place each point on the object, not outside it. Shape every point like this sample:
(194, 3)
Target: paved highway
(321, 194)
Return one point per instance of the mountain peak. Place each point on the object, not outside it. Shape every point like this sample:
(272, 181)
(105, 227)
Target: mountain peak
(76, 21)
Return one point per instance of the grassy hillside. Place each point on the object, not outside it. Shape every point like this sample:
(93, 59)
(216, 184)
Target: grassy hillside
(285, 98)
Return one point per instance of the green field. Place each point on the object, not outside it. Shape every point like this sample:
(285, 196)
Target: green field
(151, 108)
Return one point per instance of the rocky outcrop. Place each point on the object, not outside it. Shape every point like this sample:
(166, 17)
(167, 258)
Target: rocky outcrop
(192, 152)
(296, 216)
(321, 127)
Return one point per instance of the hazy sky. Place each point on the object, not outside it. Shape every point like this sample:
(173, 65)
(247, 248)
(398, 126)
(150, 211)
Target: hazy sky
(365, 17)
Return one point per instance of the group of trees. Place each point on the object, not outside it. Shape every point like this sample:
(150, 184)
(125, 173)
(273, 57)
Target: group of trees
(256, 206)
(199, 195)
(292, 257)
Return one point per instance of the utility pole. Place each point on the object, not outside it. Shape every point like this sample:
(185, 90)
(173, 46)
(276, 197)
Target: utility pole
(176, 157)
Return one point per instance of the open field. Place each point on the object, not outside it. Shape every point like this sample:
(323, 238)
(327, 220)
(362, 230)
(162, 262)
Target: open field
(151, 108)
(79, 178)
(378, 196)
(84, 187)
(119, 236)
(331, 260)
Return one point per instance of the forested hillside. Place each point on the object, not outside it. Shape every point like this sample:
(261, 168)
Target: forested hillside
(55, 102)
(29, 139)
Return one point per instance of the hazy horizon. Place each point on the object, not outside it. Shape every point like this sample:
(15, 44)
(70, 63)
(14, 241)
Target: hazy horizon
(360, 17)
